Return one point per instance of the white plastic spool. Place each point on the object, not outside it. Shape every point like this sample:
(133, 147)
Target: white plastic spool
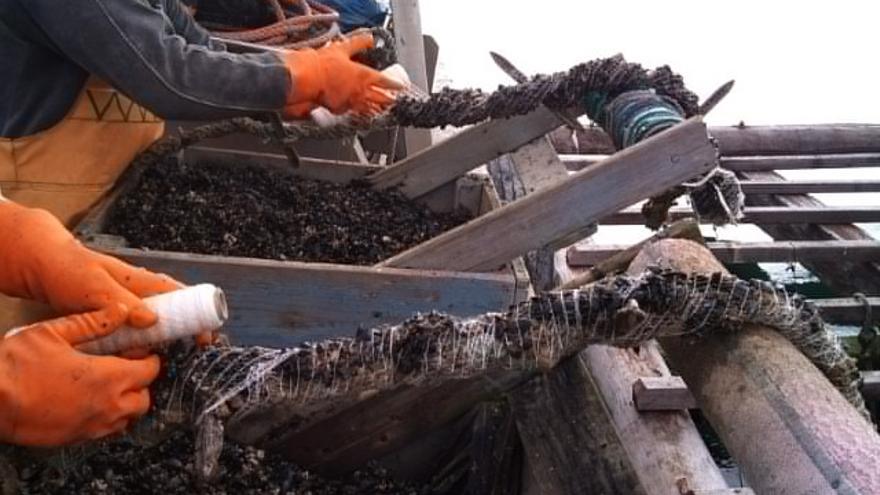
(183, 313)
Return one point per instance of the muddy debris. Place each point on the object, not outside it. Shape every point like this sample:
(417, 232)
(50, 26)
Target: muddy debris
(124, 469)
(265, 212)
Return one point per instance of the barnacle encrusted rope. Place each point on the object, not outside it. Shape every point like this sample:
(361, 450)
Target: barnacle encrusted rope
(432, 348)
(637, 115)
(560, 91)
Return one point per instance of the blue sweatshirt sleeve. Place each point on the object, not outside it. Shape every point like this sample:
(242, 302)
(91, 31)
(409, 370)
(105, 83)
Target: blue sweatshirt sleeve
(155, 53)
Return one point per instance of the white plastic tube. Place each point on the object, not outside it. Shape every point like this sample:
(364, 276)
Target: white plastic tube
(183, 313)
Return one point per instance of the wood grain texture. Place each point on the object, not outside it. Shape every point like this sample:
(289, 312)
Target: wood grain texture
(278, 304)
(662, 393)
(430, 168)
(410, 46)
(782, 420)
(848, 311)
(558, 211)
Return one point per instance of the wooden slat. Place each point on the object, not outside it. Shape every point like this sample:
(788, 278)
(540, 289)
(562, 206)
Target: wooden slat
(847, 310)
(794, 162)
(309, 168)
(768, 215)
(430, 168)
(556, 212)
(809, 186)
(844, 277)
(285, 303)
(751, 252)
(753, 140)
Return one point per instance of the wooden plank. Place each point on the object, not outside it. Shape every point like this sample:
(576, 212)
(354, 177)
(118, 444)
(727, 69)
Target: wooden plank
(411, 54)
(430, 168)
(753, 140)
(848, 310)
(768, 215)
(810, 186)
(533, 167)
(556, 212)
(871, 385)
(662, 393)
(772, 408)
(276, 304)
(844, 277)
(751, 252)
(794, 162)
(569, 442)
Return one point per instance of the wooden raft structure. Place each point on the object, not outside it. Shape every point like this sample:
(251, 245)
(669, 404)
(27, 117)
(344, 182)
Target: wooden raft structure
(608, 420)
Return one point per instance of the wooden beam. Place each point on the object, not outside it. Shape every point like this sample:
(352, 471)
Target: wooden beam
(751, 252)
(753, 140)
(809, 186)
(772, 408)
(871, 385)
(768, 215)
(847, 310)
(411, 54)
(844, 277)
(556, 212)
(433, 167)
(795, 162)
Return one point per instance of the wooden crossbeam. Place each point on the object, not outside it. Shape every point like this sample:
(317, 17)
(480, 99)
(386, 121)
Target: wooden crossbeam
(760, 163)
(433, 167)
(557, 211)
(847, 310)
(751, 252)
(768, 215)
(809, 186)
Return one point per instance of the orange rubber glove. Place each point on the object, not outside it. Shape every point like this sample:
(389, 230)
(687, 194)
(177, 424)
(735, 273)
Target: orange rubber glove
(52, 395)
(328, 77)
(41, 260)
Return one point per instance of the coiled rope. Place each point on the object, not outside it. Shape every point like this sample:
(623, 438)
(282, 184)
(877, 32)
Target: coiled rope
(297, 24)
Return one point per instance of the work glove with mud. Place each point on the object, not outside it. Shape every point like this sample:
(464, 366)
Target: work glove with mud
(328, 77)
(53, 395)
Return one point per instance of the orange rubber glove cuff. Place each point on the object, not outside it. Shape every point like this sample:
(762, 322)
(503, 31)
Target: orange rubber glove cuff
(53, 395)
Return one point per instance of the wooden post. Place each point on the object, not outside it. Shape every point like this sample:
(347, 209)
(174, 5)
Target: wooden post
(558, 211)
(411, 53)
(782, 420)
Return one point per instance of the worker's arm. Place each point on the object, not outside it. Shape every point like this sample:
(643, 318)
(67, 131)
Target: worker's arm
(185, 25)
(52, 395)
(136, 47)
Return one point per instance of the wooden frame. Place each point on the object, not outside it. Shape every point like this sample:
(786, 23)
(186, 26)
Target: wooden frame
(277, 303)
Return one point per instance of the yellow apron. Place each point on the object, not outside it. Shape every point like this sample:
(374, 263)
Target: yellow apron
(68, 167)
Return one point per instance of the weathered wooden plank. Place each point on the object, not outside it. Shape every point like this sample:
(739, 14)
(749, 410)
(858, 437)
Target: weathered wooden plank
(810, 186)
(753, 140)
(411, 54)
(533, 167)
(844, 277)
(556, 212)
(430, 168)
(768, 215)
(750, 252)
(278, 304)
(574, 162)
(785, 424)
(569, 449)
(662, 393)
(848, 310)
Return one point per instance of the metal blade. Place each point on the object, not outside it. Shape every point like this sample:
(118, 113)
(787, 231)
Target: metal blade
(716, 97)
